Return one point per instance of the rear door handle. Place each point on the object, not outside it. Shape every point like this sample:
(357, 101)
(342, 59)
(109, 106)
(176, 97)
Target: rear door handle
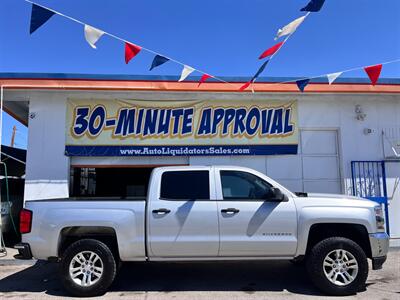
(230, 211)
(161, 211)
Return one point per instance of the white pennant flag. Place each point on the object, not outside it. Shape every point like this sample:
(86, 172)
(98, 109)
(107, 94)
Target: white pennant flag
(185, 72)
(92, 35)
(289, 28)
(332, 77)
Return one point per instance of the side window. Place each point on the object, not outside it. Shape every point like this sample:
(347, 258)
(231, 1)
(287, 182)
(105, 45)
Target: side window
(185, 185)
(238, 185)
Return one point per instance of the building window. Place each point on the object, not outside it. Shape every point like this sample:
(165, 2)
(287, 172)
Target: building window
(119, 183)
(185, 185)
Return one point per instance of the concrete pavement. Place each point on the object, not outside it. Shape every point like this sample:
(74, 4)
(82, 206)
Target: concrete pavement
(245, 280)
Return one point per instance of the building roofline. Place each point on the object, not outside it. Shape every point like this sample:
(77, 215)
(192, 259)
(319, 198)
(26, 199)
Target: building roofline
(93, 82)
(170, 78)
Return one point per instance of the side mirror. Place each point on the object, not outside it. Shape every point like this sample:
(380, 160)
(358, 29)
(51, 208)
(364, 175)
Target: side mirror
(276, 195)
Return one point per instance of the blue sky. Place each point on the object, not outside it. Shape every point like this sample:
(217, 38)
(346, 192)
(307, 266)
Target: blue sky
(223, 38)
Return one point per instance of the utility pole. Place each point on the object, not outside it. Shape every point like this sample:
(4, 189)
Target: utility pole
(13, 136)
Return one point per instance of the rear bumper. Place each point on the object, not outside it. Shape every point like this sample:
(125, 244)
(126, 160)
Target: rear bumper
(24, 251)
(379, 248)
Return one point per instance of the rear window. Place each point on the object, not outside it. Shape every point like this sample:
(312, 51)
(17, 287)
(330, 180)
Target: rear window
(109, 183)
(185, 185)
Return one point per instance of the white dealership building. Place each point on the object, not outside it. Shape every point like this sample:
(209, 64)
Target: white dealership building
(100, 136)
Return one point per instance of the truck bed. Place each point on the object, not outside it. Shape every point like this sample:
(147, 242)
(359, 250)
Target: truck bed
(52, 217)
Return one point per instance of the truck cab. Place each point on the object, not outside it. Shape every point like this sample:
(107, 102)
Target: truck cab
(219, 212)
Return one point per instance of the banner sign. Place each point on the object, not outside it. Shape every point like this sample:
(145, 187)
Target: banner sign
(180, 128)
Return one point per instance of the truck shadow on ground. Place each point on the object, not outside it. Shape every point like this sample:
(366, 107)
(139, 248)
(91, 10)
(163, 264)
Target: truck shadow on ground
(247, 277)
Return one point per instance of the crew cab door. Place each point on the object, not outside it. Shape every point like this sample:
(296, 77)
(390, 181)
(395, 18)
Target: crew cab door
(182, 213)
(250, 224)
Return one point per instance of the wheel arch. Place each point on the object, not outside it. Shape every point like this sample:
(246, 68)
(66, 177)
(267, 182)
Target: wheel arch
(107, 235)
(355, 232)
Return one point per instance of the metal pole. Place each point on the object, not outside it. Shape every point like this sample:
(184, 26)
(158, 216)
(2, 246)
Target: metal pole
(353, 175)
(2, 247)
(386, 197)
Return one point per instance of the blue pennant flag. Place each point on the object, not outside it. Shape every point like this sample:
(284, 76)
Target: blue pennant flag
(158, 61)
(313, 6)
(39, 16)
(260, 70)
(302, 83)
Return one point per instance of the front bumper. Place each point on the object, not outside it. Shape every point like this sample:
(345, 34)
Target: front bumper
(379, 248)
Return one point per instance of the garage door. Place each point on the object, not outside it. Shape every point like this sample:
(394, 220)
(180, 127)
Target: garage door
(315, 168)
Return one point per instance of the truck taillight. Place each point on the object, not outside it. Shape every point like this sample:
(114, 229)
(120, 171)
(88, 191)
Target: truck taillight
(25, 221)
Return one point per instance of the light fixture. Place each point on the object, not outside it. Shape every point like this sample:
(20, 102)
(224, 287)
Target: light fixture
(360, 115)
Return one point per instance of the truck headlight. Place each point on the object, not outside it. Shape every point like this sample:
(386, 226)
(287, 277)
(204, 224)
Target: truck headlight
(379, 218)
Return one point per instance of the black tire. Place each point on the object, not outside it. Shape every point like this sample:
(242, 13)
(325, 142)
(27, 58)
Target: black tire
(314, 264)
(105, 280)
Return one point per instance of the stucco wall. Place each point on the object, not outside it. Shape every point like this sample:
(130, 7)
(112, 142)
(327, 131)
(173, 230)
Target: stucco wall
(47, 172)
(46, 166)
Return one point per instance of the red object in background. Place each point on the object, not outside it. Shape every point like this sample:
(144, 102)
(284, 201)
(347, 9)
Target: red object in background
(203, 78)
(271, 50)
(131, 51)
(373, 73)
(245, 86)
(25, 221)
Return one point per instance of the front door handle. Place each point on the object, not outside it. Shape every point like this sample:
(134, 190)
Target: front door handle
(230, 211)
(161, 211)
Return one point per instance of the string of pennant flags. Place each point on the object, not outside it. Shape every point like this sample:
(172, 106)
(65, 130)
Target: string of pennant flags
(287, 31)
(373, 73)
(41, 14)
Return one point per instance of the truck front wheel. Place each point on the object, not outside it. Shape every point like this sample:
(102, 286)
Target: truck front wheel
(88, 268)
(338, 266)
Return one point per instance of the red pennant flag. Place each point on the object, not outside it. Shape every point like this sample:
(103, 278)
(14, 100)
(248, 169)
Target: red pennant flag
(245, 86)
(373, 73)
(131, 51)
(271, 50)
(203, 78)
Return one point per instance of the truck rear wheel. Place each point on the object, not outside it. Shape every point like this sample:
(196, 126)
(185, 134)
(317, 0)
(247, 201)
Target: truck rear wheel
(338, 266)
(88, 268)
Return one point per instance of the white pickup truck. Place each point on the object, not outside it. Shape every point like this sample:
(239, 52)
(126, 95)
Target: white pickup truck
(207, 213)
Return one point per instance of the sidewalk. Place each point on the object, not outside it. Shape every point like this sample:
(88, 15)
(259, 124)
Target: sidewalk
(394, 242)
(9, 254)
(8, 258)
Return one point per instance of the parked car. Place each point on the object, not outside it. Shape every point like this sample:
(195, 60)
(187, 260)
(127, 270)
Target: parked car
(204, 214)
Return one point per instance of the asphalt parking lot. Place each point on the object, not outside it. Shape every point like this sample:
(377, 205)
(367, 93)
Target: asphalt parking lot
(252, 280)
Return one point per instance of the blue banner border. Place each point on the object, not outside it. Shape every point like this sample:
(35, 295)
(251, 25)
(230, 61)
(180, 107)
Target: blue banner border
(203, 150)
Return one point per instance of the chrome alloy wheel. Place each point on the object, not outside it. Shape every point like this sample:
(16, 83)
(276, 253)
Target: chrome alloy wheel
(86, 268)
(340, 267)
